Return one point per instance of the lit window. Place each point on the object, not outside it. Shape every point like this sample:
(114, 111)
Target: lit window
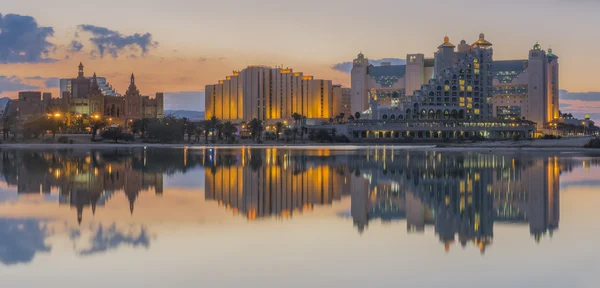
(477, 66)
(461, 104)
(462, 99)
(462, 82)
(462, 88)
(476, 71)
(475, 60)
(470, 99)
(469, 105)
(470, 88)
(447, 88)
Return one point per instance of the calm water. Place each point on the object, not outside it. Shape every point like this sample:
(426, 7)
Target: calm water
(377, 217)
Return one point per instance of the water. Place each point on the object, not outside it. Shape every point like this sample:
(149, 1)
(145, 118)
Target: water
(314, 217)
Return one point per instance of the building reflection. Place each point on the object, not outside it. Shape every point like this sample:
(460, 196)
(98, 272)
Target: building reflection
(87, 179)
(459, 195)
(273, 182)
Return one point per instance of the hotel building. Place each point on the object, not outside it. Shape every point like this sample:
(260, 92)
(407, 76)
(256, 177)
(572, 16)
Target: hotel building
(269, 93)
(459, 82)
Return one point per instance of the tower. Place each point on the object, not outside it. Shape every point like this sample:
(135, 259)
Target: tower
(133, 101)
(537, 88)
(359, 101)
(444, 56)
(80, 86)
(96, 98)
(80, 75)
(552, 85)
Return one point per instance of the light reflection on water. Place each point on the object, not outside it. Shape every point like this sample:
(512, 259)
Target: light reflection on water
(317, 212)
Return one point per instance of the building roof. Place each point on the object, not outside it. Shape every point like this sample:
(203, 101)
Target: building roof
(386, 76)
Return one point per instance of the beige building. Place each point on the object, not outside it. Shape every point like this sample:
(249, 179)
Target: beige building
(341, 101)
(269, 93)
(459, 82)
(528, 88)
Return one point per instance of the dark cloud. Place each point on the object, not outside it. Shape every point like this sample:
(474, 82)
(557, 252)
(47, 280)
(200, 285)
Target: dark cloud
(22, 40)
(112, 42)
(75, 46)
(109, 239)
(184, 100)
(13, 83)
(583, 96)
(346, 67)
(52, 82)
(20, 240)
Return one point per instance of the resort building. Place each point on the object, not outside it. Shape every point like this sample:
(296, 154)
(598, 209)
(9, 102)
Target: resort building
(460, 82)
(86, 97)
(267, 94)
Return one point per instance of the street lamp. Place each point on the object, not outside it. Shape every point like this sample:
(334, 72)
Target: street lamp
(57, 115)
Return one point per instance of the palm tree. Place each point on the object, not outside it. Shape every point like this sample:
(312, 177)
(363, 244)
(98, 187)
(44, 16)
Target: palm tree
(295, 131)
(214, 123)
(205, 127)
(229, 130)
(342, 115)
(278, 127)
(297, 117)
(287, 132)
(256, 128)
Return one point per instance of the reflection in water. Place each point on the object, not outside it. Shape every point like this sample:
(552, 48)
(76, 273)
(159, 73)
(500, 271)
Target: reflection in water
(20, 240)
(109, 238)
(459, 195)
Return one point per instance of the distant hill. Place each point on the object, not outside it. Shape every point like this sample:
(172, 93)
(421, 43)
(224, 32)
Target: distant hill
(192, 115)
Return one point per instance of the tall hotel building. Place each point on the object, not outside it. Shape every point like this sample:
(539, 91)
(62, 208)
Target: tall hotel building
(269, 93)
(459, 82)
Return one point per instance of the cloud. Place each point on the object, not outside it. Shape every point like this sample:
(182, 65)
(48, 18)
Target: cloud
(106, 41)
(13, 83)
(184, 100)
(583, 96)
(22, 40)
(110, 239)
(75, 46)
(52, 82)
(346, 67)
(20, 240)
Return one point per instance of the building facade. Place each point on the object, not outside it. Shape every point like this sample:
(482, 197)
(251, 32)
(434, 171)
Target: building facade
(528, 88)
(341, 101)
(459, 82)
(87, 98)
(269, 93)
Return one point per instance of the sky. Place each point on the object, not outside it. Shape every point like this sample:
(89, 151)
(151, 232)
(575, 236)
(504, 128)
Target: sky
(179, 46)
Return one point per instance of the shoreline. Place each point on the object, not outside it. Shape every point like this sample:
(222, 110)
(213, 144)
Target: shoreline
(333, 146)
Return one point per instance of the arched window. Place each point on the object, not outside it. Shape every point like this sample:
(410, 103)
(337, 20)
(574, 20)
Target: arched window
(454, 88)
(461, 114)
(446, 114)
(431, 93)
(384, 117)
(423, 114)
(431, 114)
(400, 117)
(439, 88)
(438, 114)
(454, 114)
(408, 112)
(392, 117)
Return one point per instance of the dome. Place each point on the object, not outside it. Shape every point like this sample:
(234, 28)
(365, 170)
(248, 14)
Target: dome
(587, 117)
(537, 46)
(361, 55)
(446, 43)
(463, 42)
(482, 42)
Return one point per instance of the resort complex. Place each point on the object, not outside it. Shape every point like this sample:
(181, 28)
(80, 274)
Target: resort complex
(459, 92)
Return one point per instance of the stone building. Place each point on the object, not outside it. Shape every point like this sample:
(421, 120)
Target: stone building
(86, 98)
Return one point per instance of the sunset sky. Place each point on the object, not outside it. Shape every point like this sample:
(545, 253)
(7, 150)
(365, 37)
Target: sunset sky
(179, 46)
